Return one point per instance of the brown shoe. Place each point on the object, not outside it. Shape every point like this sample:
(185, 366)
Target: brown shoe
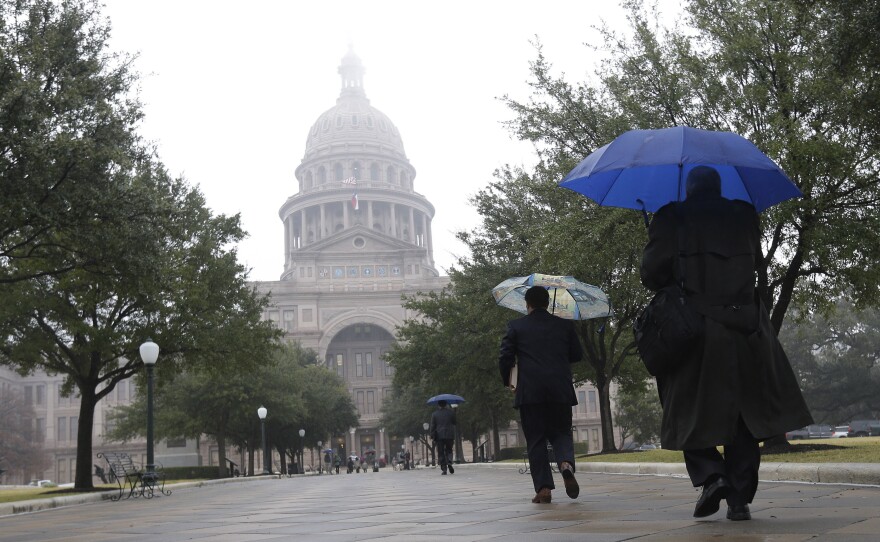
(542, 496)
(572, 489)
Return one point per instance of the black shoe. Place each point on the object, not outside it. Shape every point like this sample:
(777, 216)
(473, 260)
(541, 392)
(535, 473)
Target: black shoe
(739, 512)
(710, 499)
(443, 473)
(451, 469)
(572, 489)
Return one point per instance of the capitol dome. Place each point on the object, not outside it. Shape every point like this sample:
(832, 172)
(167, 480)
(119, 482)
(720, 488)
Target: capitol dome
(353, 120)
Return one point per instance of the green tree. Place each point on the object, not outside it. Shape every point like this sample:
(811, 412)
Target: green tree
(452, 347)
(530, 225)
(639, 414)
(21, 451)
(794, 76)
(836, 358)
(67, 130)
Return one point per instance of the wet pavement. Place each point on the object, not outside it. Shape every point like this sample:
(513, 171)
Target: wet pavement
(478, 502)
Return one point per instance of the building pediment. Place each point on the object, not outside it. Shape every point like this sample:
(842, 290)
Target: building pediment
(358, 239)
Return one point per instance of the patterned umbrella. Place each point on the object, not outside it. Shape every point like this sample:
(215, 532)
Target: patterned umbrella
(569, 297)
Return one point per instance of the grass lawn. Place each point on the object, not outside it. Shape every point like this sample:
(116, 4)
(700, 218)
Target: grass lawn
(27, 493)
(838, 450)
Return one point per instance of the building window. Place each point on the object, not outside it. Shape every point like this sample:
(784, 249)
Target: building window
(74, 427)
(374, 172)
(322, 175)
(176, 443)
(368, 363)
(354, 120)
(371, 402)
(339, 121)
(388, 369)
(391, 175)
(62, 429)
(360, 402)
(39, 430)
(29, 395)
(593, 405)
(340, 365)
(369, 121)
(307, 315)
(358, 365)
(121, 393)
(41, 394)
(582, 402)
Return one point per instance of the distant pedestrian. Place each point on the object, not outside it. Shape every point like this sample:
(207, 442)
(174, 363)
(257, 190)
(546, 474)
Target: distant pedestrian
(443, 432)
(737, 387)
(543, 347)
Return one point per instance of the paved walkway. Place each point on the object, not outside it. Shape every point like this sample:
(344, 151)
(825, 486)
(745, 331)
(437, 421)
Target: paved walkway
(476, 503)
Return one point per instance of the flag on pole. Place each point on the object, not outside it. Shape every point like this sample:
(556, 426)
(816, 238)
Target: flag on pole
(350, 180)
(354, 201)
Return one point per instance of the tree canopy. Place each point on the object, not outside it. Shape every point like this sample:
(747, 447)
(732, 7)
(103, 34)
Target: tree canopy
(144, 257)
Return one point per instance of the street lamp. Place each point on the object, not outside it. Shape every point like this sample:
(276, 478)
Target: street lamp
(426, 426)
(352, 449)
(302, 445)
(320, 457)
(149, 355)
(261, 412)
(382, 444)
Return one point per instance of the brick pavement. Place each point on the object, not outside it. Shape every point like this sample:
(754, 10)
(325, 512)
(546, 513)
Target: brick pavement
(476, 503)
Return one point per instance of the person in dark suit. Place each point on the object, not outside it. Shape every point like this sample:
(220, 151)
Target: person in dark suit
(736, 387)
(443, 432)
(543, 347)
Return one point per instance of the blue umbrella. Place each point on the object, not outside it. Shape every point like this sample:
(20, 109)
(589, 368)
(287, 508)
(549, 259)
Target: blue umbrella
(448, 397)
(645, 169)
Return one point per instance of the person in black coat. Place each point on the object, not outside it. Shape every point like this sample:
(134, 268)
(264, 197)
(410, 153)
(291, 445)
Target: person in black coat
(736, 387)
(443, 432)
(543, 347)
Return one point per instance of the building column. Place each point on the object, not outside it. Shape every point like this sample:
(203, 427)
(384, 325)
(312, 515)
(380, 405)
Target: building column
(370, 215)
(412, 226)
(322, 225)
(393, 221)
(304, 226)
(430, 243)
(288, 239)
(424, 230)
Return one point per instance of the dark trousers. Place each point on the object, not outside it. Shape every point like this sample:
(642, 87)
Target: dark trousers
(739, 464)
(543, 423)
(444, 450)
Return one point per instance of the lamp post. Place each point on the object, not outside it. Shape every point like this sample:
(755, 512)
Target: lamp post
(261, 412)
(320, 457)
(302, 446)
(427, 426)
(352, 449)
(150, 354)
(457, 449)
(382, 445)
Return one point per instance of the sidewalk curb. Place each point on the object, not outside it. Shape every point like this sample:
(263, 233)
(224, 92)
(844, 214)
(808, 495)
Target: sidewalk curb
(819, 473)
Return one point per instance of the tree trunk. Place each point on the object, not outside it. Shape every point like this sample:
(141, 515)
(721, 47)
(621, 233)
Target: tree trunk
(603, 387)
(87, 404)
(221, 453)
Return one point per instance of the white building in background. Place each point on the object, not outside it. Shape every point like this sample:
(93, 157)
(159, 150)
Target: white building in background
(357, 236)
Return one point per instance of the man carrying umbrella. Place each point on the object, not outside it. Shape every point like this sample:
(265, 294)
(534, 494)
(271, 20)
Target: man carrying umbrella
(543, 346)
(736, 386)
(443, 432)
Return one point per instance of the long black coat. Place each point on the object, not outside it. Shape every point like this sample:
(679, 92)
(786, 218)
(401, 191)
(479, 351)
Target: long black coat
(442, 424)
(544, 346)
(740, 368)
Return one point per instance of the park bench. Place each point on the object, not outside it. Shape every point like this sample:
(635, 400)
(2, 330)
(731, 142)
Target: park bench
(132, 479)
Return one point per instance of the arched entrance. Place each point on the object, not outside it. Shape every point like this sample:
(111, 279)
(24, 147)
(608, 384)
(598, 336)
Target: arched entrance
(356, 353)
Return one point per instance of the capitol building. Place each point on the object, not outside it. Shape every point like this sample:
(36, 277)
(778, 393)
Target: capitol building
(357, 236)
